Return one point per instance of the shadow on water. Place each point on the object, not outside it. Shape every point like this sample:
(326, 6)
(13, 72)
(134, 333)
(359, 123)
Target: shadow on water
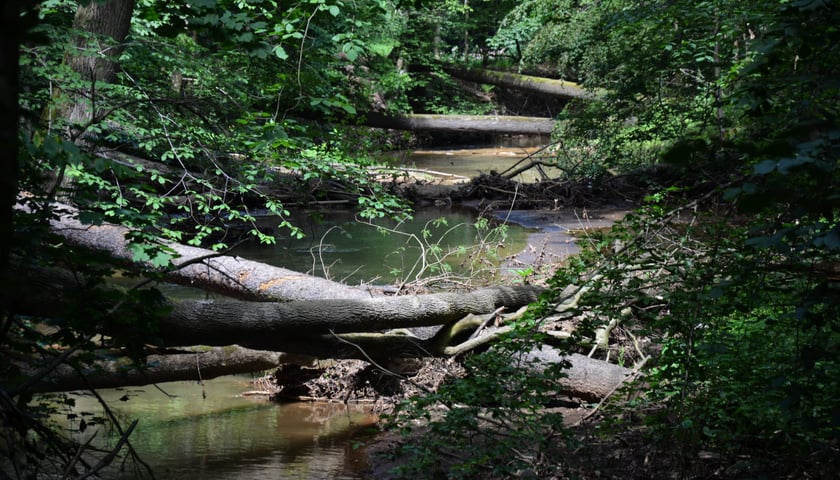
(213, 432)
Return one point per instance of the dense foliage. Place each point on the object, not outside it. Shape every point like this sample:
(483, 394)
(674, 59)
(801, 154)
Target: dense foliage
(183, 130)
(731, 270)
(192, 123)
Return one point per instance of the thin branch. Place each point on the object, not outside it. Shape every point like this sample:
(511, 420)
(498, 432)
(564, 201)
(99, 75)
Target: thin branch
(107, 459)
(492, 317)
(507, 173)
(123, 434)
(47, 369)
(193, 261)
(78, 456)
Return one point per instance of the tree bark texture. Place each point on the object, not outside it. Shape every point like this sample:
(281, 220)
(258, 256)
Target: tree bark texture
(502, 125)
(197, 364)
(586, 378)
(229, 275)
(103, 27)
(266, 325)
(48, 292)
(309, 328)
(325, 327)
(541, 85)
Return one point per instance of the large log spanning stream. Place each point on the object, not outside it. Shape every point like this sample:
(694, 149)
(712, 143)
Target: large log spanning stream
(492, 124)
(495, 124)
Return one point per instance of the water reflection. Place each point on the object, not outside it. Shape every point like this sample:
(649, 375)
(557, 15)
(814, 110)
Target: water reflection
(213, 432)
(339, 247)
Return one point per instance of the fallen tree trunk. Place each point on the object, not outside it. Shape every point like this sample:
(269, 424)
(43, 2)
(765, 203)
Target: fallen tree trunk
(541, 85)
(209, 270)
(307, 328)
(586, 378)
(325, 328)
(490, 124)
(265, 324)
(194, 364)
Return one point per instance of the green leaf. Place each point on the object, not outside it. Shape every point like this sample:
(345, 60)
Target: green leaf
(786, 164)
(138, 252)
(280, 52)
(765, 167)
(162, 259)
(383, 49)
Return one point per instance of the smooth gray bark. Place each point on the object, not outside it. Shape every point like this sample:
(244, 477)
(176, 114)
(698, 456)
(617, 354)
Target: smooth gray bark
(324, 327)
(199, 364)
(586, 378)
(491, 124)
(264, 325)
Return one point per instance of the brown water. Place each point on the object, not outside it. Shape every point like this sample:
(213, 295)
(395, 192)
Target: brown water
(212, 431)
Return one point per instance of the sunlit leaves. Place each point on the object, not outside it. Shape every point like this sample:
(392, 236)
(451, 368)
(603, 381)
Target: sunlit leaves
(280, 52)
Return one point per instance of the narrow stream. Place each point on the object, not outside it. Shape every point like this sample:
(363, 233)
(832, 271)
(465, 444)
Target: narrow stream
(211, 431)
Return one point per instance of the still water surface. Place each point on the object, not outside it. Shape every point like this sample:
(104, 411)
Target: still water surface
(213, 432)
(339, 247)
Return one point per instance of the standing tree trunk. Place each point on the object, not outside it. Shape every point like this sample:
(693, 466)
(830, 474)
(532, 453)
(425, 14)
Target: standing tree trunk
(103, 27)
